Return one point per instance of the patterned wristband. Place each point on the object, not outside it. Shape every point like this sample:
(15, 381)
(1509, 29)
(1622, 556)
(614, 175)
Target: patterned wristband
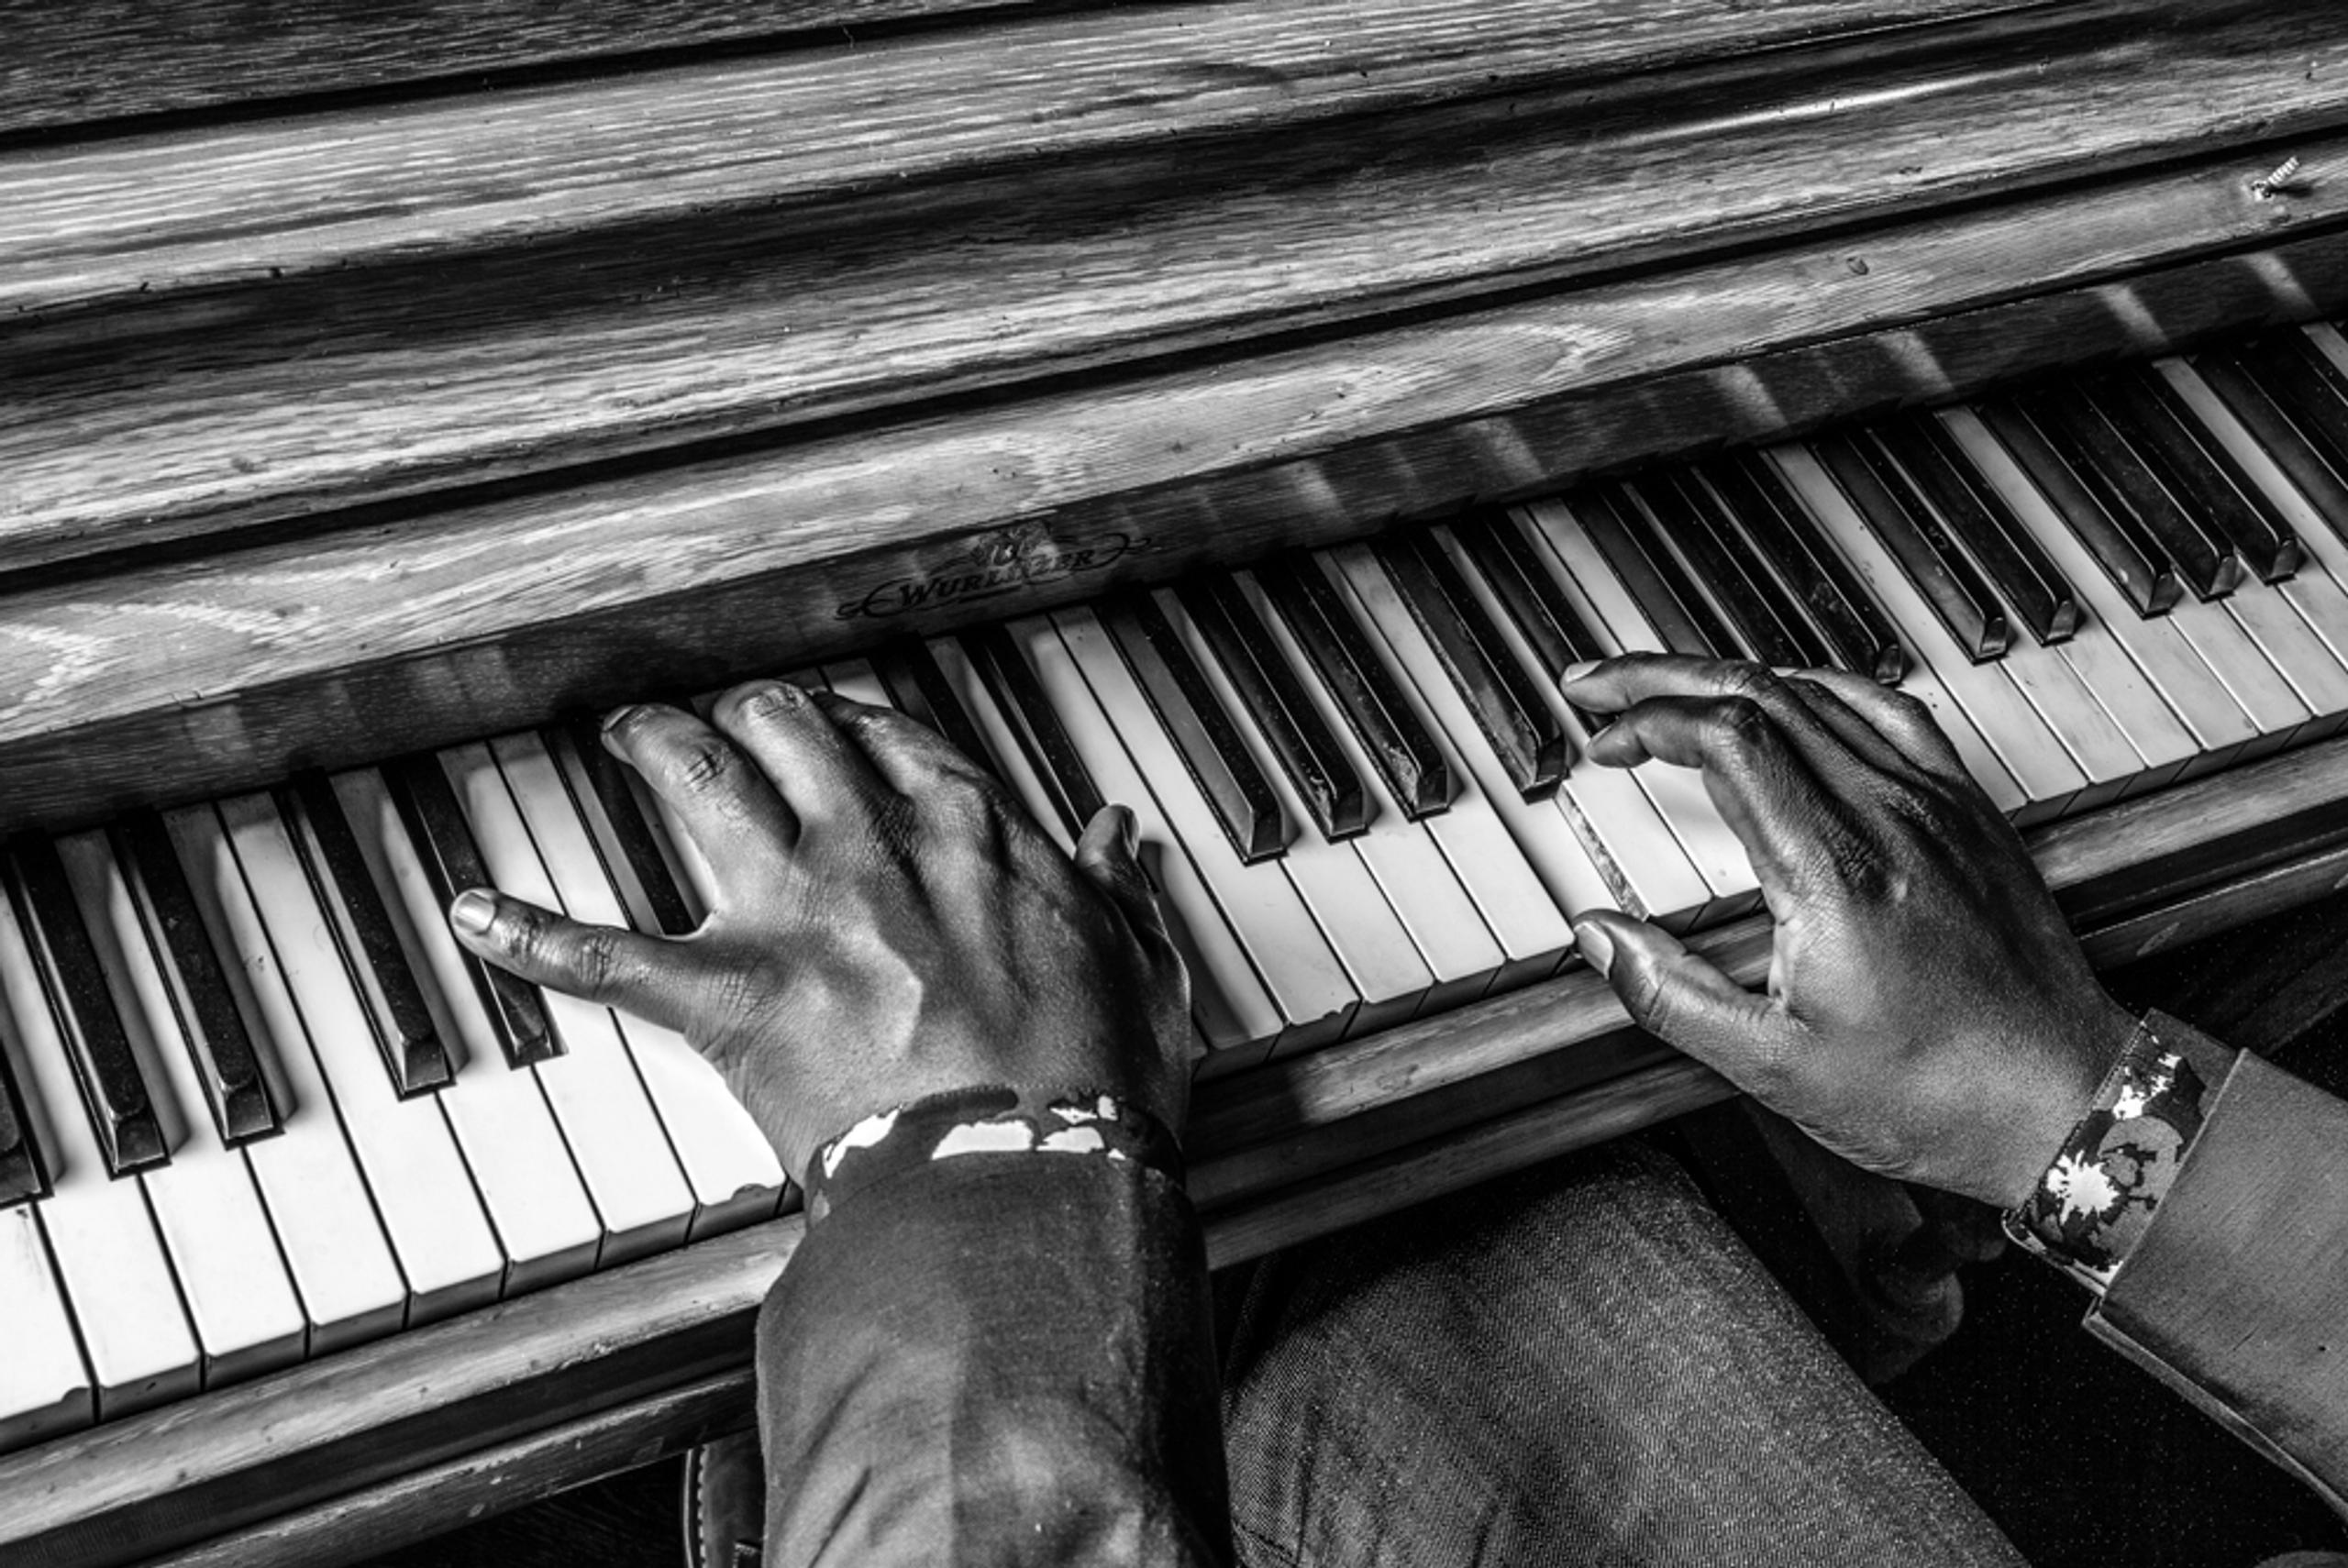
(2095, 1201)
(992, 1120)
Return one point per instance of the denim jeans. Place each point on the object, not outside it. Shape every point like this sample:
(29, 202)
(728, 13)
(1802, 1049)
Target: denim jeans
(1577, 1365)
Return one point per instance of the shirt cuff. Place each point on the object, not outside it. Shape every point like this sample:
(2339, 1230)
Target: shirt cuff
(2110, 1177)
(987, 1119)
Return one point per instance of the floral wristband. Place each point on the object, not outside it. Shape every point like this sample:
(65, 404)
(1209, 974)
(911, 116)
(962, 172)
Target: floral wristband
(2095, 1201)
(992, 1120)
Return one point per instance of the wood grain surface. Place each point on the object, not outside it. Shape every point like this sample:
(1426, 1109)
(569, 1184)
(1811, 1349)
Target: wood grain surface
(67, 67)
(550, 1389)
(542, 313)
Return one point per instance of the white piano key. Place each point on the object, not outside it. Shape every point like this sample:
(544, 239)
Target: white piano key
(423, 1193)
(334, 1246)
(730, 1167)
(1306, 980)
(1459, 940)
(2316, 592)
(1345, 899)
(1582, 573)
(117, 1277)
(1539, 830)
(240, 1300)
(616, 1138)
(520, 1163)
(1228, 1004)
(1612, 802)
(2006, 720)
(45, 1389)
(1180, 883)
(2172, 667)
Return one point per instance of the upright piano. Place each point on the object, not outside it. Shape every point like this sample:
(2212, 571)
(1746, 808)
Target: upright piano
(1242, 412)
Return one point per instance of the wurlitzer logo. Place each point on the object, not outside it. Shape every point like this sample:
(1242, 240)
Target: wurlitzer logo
(1000, 563)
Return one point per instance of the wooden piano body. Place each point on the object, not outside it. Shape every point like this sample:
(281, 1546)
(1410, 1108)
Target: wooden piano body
(381, 377)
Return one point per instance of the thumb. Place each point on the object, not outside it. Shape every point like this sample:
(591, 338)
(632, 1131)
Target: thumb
(1682, 997)
(638, 974)
(1109, 855)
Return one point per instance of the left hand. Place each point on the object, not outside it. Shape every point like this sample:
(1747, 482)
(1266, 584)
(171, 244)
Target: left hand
(888, 923)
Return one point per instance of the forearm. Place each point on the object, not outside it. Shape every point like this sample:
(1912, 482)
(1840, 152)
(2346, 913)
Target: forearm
(996, 1359)
(2237, 1293)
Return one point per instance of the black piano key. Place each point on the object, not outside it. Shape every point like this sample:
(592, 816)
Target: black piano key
(1745, 595)
(2307, 386)
(2322, 481)
(631, 835)
(2111, 468)
(2016, 565)
(412, 1052)
(1202, 733)
(1551, 625)
(1523, 730)
(921, 690)
(1783, 534)
(1053, 756)
(24, 1172)
(444, 843)
(1405, 753)
(1947, 580)
(2155, 422)
(1301, 739)
(1678, 613)
(114, 1088)
(243, 1103)
(2134, 561)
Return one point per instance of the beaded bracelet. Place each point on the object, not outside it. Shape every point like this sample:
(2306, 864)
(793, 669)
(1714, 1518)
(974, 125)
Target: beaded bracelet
(988, 1120)
(2094, 1202)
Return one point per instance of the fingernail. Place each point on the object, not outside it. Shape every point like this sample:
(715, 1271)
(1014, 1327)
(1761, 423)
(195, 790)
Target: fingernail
(1595, 944)
(1129, 831)
(618, 716)
(1575, 671)
(472, 912)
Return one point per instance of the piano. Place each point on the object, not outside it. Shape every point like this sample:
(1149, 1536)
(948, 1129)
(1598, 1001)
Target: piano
(1243, 412)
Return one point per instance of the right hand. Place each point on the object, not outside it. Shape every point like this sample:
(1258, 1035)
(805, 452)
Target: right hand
(888, 923)
(1929, 1014)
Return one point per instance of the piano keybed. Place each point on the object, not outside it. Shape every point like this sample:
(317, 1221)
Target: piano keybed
(255, 1107)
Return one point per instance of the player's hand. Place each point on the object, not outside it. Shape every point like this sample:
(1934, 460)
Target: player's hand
(1929, 1014)
(888, 923)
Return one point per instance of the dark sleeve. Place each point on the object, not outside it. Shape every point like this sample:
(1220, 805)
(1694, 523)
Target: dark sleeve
(996, 1359)
(2237, 1293)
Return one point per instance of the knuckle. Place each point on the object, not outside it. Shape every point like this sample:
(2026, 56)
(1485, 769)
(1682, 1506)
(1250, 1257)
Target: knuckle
(706, 766)
(1744, 726)
(595, 961)
(1750, 682)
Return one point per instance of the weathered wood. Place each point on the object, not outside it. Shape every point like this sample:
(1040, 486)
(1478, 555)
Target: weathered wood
(171, 679)
(68, 66)
(317, 1448)
(250, 202)
(490, 315)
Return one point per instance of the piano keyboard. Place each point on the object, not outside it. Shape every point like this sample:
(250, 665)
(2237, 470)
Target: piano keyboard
(257, 1106)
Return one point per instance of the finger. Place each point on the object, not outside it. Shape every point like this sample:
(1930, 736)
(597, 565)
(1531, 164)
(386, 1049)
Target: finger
(717, 793)
(1109, 855)
(818, 771)
(1760, 783)
(1865, 741)
(642, 975)
(1685, 999)
(1618, 684)
(1898, 718)
(906, 754)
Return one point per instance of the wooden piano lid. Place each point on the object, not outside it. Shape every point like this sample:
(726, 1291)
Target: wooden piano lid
(348, 422)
